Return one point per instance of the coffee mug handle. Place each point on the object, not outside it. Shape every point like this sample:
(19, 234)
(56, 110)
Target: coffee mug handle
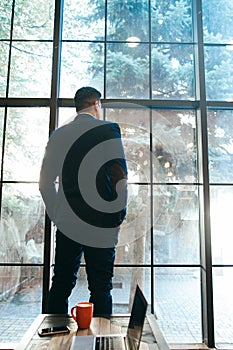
(72, 312)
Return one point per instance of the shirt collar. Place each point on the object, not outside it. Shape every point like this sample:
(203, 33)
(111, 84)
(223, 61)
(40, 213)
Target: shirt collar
(84, 115)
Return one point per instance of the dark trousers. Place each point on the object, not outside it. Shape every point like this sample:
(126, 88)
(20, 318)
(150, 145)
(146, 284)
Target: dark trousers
(99, 269)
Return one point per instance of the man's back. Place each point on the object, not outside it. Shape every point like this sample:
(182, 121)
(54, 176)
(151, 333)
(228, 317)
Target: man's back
(88, 158)
(91, 170)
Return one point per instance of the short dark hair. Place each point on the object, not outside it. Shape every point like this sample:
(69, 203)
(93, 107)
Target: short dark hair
(85, 97)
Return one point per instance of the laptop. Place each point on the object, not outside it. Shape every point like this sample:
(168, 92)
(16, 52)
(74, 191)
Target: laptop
(130, 341)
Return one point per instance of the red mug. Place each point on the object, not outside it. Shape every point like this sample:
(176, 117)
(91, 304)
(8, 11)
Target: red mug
(82, 313)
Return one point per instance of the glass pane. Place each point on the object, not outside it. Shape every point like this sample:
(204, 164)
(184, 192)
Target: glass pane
(1, 130)
(173, 72)
(84, 20)
(26, 138)
(81, 65)
(20, 301)
(134, 240)
(178, 304)
(171, 20)
(22, 224)
(5, 15)
(31, 65)
(66, 115)
(221, 198)
(4, 48)
(176, 224)
(33, 19)
(174, 145)
(223, 311)
(217, 21)
(220, 137)
(80, 292)
(127, 71)
(134, 120)
(219, 68)
(124, 284)
(128, 20)
(134, 124)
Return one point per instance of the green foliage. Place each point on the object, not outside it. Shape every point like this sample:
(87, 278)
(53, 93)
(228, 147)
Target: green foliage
(172, 77)
(5, 18)
(217, 21)
(165, 57)
(126, 75)
(33, 20)
(127, 19)
(172, 21)
(219, 71)
(83, 20)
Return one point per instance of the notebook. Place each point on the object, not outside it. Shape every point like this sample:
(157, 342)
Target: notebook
(130, 341)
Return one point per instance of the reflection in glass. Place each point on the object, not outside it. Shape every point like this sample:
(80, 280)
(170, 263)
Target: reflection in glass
(20, 300)
(134, 117)
(172, 20)
(219, 67)
(1, 127)
(5, 15)
(178, 304)
(31, 65)
(80, 291)
(125, 282)
(223, 306)
(127, 19)
(221, 198)
(174, 146)
(22, 224)
(83, 20)
(220, 137)
(33, 19)
(127, 71)
(134, 124)
(26, 138)
(173, 72)
(81, 65)
(217, 21)
(134, 241)
(4, 48)
(176, 224)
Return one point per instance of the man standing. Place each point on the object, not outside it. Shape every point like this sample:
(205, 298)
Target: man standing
(83, 182)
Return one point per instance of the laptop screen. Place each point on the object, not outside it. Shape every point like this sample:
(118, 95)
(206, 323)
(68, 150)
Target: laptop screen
(137, 318)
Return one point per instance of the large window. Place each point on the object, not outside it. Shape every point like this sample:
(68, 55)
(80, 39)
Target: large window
(164, 69)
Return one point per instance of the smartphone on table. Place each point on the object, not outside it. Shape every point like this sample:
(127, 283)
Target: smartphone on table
(53, 330)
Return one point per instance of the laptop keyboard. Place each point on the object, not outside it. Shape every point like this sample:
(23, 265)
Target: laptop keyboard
(109, 343)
